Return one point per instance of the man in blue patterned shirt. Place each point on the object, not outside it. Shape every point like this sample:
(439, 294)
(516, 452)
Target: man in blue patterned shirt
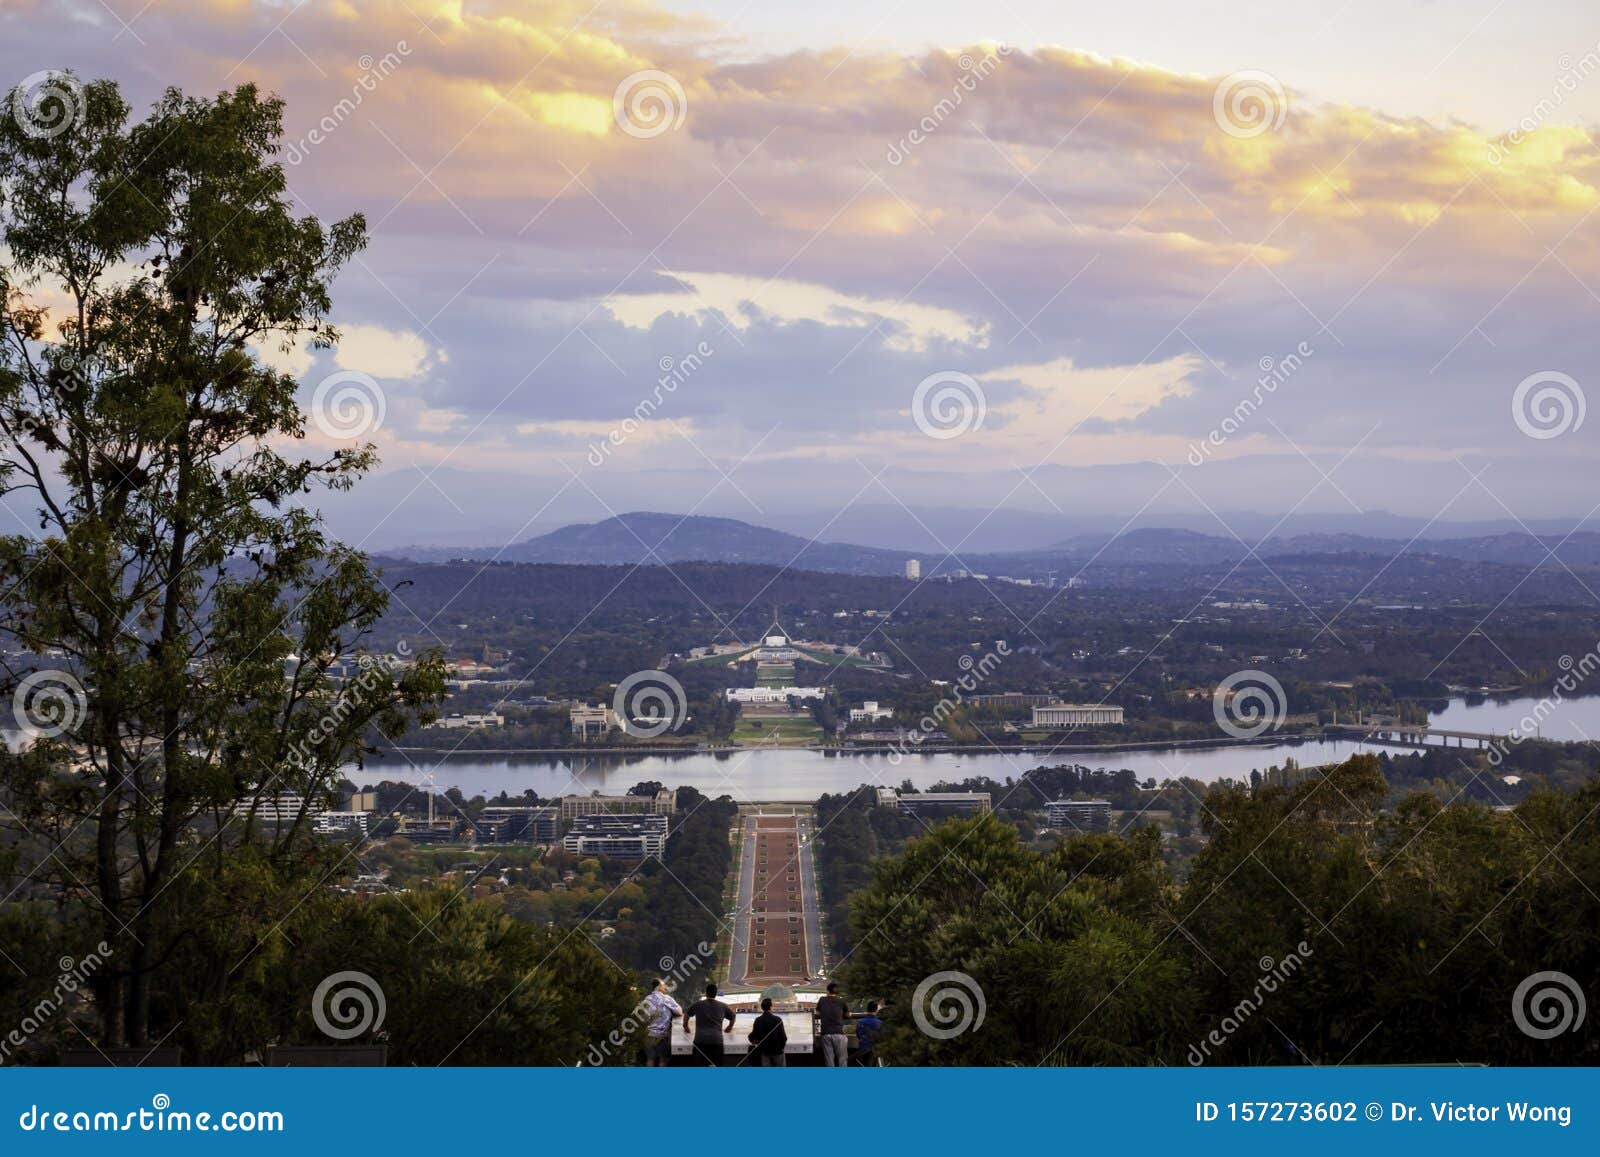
(658, 1041)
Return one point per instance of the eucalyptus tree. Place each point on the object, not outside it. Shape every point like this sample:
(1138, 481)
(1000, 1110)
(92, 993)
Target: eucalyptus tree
(192, 627)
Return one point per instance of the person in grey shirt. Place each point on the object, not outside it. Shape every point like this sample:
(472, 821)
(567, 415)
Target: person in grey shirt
(708, 1016)
(832, 1012)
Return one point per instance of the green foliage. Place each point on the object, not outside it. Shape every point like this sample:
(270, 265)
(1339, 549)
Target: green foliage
(1316, 925)
(681, 905)
(198, 610)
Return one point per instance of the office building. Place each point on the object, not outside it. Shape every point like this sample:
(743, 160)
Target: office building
(663, 803)
(1010, 699)
(1083, 815)
(870, 712)
(284, 807)
(591, 722)
(342, 823)
(945, 803)
(621, 837)
(471, 721)
(913, 569)
(518, 825)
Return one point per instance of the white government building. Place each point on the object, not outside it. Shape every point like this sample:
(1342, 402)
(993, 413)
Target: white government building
(1068, 716)
(773, 694)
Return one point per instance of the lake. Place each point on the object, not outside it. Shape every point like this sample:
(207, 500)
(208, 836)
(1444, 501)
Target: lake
(770, 774)
(767, 774)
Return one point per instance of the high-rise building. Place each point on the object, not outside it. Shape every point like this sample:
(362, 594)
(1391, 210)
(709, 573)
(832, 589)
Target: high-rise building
(913, 569)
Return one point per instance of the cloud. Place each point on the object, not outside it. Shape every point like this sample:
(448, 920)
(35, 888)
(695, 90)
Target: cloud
(739, 300)
(1081, 234)
(383, 353)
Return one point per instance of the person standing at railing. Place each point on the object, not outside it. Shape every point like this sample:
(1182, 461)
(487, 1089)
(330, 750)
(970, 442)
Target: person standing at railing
(708, 1016)
(768, 1038)
(867, 1029)
(832, 1012)
(658, 1040)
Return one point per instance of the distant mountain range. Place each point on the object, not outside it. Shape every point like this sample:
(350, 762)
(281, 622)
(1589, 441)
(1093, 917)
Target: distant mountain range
(650, 538)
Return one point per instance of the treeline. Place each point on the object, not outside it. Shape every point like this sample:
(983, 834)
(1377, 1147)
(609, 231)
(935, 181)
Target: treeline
(457, 980)
(1316, 926)
(682, 902)
(853, 834)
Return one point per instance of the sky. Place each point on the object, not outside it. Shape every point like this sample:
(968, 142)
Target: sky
(770, 261)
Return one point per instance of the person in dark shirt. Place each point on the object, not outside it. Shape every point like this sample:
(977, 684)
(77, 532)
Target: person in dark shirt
(768, 1037)
(867, 1029)
(708, 1016)
(832, 1012)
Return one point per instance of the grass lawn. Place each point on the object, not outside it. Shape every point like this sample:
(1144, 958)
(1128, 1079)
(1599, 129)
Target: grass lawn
(776, 729)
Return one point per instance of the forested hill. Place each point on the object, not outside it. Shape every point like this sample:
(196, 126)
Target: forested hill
(649, 538)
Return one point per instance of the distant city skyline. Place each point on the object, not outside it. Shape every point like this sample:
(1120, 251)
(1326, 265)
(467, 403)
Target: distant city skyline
(1334, 259)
